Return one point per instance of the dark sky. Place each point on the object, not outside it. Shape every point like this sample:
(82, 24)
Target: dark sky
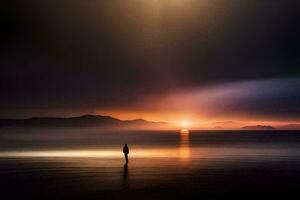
(94, 54)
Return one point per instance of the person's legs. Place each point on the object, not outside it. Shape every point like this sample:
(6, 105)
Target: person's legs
(126, 157)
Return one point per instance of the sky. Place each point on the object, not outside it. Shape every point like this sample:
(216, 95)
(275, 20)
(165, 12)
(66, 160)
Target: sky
(161, 60)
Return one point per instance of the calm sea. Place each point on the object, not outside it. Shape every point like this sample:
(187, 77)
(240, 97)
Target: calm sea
(89, 164)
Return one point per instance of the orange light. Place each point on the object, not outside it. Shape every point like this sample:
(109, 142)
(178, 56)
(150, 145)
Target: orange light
(185, 131)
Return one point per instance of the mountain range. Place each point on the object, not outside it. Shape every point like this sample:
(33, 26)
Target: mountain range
(81, 121)
(86, 121)
(259, 127)
(278, 127)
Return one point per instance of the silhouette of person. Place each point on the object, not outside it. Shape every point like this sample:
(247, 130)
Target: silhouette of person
(126, 152)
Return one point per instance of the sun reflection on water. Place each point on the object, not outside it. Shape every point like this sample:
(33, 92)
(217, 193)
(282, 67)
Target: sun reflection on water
(184, 147)
(137, 153)
(114, 153)
(182, 151)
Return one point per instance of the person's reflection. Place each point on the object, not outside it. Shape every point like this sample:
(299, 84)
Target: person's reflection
(184, 148)
(125, 175)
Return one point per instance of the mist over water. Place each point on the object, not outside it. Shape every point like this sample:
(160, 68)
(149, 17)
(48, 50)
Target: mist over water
(194, 163)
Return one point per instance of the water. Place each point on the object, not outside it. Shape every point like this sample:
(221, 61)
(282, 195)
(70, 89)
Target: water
(88, 163)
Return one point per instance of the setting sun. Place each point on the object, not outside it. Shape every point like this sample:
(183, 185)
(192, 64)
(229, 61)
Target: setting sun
(184, 124)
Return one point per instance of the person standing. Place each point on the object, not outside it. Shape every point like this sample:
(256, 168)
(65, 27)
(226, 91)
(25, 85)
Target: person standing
(126, 152)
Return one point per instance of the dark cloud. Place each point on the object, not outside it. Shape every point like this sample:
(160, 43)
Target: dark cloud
(112, 53)
(276, 99)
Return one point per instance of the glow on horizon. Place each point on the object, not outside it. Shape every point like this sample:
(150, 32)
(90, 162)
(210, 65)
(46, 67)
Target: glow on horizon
(184, 131)
(182, 152)
(137, 153)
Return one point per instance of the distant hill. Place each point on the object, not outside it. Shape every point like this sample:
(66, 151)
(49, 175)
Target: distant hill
(81, 121)
(144, 124)
(223, 125)
(258, 127)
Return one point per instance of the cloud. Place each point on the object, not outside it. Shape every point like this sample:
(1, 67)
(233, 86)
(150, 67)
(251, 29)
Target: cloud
(270, 99)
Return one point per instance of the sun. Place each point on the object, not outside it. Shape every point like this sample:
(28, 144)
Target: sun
(184, 124)
(184, 131)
